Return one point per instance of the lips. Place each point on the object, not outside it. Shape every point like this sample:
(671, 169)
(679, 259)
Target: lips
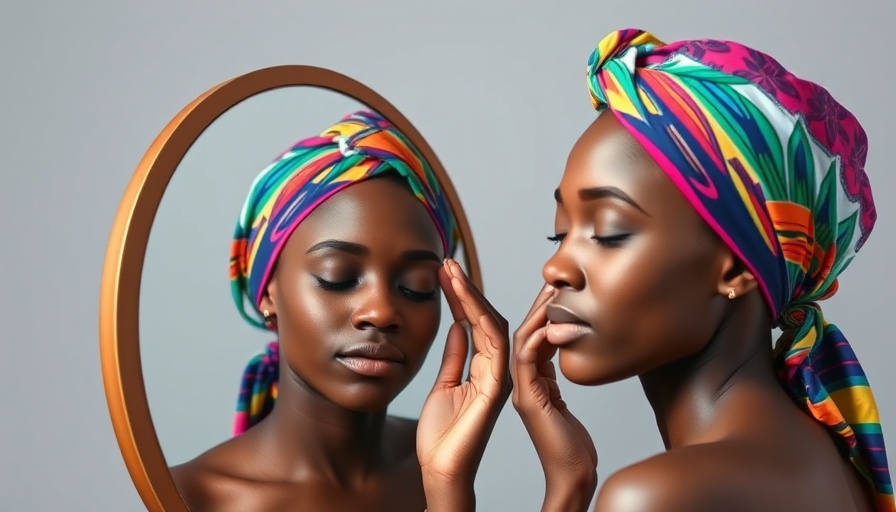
(564, 326)
(377, 351)
(558, 314)
(372, 359)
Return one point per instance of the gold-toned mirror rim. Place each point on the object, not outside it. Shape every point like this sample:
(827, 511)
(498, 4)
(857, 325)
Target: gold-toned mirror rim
(122, 271)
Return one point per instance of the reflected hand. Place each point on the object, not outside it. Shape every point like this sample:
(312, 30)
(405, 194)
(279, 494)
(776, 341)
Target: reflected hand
(565, 449)
(459, 415)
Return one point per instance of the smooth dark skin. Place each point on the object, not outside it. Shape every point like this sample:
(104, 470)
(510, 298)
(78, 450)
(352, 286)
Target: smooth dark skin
(651, 281)
(329, 444)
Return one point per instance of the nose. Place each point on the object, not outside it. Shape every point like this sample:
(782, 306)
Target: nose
(377, 310)
(562, 271)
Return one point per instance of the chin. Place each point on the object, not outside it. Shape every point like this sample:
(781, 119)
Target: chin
(588, 369)
(368, 398)
(366, 404)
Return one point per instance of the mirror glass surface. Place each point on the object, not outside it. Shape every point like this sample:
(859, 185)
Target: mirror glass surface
(194, 345)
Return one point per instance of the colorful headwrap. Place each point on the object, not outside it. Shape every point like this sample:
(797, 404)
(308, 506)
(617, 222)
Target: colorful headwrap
(776, 167)
(362, 145)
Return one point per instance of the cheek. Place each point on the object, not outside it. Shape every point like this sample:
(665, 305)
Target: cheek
(307, 316)
(321, 310)
(624, 281)
(422, 325)
(688, 284)
(651, 292)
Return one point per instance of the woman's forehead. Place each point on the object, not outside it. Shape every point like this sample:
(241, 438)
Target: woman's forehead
(372, 212)
(606, 155)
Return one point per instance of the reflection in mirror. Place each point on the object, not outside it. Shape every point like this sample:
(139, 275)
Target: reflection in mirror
(194, 344)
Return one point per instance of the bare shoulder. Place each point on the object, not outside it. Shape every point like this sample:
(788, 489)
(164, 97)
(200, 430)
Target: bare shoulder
(212, 481)
(193, 481)
(692, 479)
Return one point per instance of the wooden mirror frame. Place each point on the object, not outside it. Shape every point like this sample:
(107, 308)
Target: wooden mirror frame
(119, 334)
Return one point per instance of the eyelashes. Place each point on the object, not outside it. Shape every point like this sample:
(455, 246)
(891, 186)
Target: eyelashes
(344, 286)
(336, 286)
(419, 296)
(613, 241)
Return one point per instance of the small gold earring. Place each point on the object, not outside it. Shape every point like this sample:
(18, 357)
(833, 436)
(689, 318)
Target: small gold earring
(731, 294)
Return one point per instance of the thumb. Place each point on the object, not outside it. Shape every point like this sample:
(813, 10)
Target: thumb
(454, 358)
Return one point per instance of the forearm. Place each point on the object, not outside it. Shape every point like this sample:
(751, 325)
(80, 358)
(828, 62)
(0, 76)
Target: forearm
(569, 494)
(449, 496)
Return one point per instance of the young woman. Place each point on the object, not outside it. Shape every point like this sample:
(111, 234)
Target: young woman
(339, 251)
(717, 196)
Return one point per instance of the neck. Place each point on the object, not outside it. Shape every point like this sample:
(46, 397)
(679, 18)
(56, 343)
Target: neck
(306, 434)
(695, 399)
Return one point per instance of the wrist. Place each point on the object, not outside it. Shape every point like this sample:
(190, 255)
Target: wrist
(444, 494)
(572, 492)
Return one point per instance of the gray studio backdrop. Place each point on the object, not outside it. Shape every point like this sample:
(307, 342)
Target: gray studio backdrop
(497, 89)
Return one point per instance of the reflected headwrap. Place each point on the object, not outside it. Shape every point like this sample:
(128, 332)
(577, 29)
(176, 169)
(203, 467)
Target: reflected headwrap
(360, 146)
(776, 167)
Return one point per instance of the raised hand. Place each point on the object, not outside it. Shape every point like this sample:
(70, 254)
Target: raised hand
(565, 449)
(460, 414)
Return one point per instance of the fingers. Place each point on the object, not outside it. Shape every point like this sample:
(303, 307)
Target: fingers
(454, 304)
(530, 347)
(545, 295)
(496, 341)
(548, 369)
(475, 295)
(536, 318)
(549, 372)
(489, 374)
(534, 351)
(524, 369)
(499, 347)
(474, 310)
(454, 358)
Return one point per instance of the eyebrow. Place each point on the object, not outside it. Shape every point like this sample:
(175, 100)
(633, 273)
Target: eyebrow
(360, 250)
(421, 255)
(593, 194)
(340, 245)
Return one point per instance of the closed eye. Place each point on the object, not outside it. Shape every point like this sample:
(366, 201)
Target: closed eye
(612, 241)
(336, 286)
(419, 296)
(557, 238)
(341, 286)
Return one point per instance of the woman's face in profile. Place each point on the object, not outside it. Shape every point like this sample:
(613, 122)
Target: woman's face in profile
(356, 295)
(636, 269)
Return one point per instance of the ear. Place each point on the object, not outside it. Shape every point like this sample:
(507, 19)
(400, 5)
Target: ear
(269, 299)
(735, 280)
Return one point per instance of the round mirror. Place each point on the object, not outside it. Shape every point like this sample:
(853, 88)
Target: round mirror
(173, 346)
